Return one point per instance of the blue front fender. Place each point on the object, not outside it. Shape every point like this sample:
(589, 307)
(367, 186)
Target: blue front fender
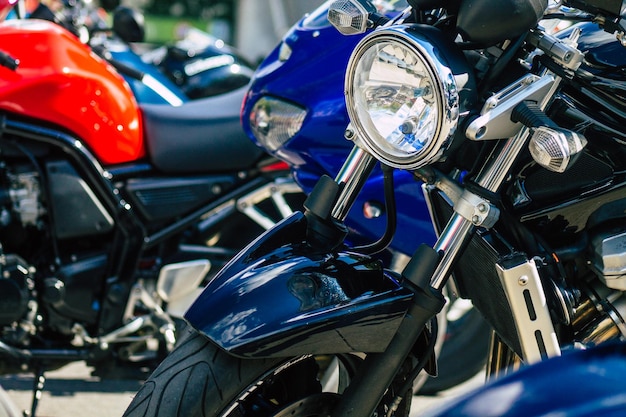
(279, 298)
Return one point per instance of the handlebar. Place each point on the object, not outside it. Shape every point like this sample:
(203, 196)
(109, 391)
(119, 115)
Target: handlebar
(126, 70)
(119, 66)
(8, 61)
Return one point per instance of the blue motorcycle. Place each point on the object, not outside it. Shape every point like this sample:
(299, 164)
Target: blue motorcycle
(295, 109)
(517, 135)
(584, 383)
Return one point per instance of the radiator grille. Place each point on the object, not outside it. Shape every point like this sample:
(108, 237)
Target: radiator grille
(477, 279)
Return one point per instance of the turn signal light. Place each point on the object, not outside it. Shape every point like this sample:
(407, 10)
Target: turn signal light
(554, 148)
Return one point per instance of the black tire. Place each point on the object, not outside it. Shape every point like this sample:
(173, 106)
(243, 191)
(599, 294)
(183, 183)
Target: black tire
(463, 354)
(194, 380)
(199, 379)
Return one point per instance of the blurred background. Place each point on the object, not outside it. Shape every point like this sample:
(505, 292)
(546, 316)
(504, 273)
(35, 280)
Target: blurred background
(254, 27)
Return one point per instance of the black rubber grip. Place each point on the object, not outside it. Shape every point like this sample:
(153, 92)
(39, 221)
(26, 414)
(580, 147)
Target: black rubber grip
(8, 61)
(529, 114)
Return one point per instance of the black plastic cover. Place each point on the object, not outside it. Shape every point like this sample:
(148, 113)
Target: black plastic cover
(492, 21)
(613, 7)
(430, 4)
(168, 198)
(77, 212)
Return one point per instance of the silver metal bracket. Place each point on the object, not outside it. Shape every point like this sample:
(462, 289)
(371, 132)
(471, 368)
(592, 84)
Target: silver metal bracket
(276, 191)
(495, 121)
(477, 210)
(563, 51)
(522, 285)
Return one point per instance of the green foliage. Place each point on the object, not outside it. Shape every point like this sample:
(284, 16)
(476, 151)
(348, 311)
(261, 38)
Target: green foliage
(162, 29)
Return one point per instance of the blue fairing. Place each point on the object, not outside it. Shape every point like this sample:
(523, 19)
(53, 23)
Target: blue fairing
(279, 298)
(579, 383)
(313, 78)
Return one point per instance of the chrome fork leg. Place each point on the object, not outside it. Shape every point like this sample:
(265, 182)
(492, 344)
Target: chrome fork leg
(351, 178)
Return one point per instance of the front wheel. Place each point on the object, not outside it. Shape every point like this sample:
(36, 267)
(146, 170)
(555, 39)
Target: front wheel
(199, 379)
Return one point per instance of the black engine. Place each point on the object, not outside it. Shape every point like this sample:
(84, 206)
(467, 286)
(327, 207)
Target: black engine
(49, 264)
(16, 284)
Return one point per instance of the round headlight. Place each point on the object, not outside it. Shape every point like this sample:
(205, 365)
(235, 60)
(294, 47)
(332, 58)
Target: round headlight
(402, 96)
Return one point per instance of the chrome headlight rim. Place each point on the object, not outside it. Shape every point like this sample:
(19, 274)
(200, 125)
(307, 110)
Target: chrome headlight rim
(446, 92)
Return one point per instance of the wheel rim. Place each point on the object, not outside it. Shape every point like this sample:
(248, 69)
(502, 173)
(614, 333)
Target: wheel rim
(296, 385)
(308, 386)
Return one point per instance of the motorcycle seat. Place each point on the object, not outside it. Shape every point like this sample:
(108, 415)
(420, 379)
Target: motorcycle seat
(200, 136)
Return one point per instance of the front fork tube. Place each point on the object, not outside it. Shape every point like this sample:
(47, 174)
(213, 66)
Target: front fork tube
(330, 201)
(427, 265)
(428, 272)
(351, 178)
(379, 369)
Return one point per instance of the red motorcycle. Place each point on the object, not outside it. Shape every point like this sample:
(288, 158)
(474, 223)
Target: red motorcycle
(112, 214)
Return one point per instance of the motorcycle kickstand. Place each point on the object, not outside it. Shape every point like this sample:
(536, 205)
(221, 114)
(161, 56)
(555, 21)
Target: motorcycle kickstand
(38, 384)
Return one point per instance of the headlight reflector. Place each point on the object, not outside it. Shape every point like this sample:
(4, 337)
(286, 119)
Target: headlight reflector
(273, 121)
(402, 97)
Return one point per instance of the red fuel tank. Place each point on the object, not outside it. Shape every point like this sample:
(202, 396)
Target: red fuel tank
(60, 80)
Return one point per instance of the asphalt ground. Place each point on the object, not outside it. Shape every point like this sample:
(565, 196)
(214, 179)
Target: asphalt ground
(72, 392)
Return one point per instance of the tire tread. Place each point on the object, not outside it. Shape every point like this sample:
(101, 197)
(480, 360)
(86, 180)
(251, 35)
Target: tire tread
(196, 379)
